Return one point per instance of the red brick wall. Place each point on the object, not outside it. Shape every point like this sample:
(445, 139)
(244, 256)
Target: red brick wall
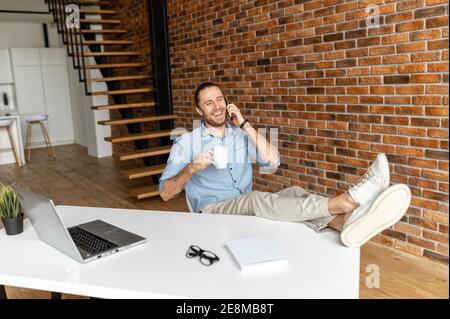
(338, 92)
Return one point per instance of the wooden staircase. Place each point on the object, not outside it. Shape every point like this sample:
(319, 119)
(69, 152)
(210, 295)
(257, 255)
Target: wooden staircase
(123, 77)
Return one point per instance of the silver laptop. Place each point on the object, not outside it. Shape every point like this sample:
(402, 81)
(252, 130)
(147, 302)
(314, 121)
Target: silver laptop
(84, 242)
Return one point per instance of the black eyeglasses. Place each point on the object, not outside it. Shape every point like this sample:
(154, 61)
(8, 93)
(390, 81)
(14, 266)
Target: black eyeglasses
(207, 257)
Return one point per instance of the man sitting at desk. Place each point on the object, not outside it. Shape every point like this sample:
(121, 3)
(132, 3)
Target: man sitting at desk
(366, 209)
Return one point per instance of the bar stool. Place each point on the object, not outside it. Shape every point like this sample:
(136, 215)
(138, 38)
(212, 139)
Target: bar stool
(38, 119)
(7, 124)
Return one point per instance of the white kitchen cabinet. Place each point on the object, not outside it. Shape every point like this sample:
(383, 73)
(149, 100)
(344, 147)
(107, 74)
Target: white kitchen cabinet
(5, 67)
(25, 57)
(42, 86)
(52, 56)
(30, 97)
(29, 89)
(57, 101)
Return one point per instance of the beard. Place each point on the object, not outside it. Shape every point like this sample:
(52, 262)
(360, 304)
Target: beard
(213, 122)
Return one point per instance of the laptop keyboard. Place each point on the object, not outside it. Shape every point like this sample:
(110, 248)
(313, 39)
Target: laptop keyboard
(89, 242)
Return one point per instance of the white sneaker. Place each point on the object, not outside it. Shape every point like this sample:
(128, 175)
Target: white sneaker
(372, 183)
(371, 219)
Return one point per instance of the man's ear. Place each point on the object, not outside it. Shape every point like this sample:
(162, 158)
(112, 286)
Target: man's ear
(199, 111)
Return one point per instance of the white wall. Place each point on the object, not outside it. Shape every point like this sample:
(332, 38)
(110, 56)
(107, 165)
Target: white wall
(26, 35)
(78, 98)
(87, 132)
(21, 35)
(23, 5)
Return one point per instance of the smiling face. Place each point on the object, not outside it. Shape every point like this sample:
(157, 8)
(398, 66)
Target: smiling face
(212, 106)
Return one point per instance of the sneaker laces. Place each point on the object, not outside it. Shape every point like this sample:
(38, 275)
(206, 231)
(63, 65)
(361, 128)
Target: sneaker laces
(365, 178)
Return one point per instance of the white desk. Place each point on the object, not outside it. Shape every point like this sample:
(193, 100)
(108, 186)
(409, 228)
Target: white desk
(319, 265)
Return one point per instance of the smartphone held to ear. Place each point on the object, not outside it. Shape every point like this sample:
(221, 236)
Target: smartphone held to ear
(228, 114)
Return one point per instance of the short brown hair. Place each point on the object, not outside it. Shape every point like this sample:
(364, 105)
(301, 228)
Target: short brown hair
(202, 87)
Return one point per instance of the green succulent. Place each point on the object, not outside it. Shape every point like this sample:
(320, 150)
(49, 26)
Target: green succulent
(9, 203)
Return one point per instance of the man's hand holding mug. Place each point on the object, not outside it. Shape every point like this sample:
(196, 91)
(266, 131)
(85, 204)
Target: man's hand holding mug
(218, 156)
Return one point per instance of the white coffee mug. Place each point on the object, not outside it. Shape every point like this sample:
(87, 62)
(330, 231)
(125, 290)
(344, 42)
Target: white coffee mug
(220, 156)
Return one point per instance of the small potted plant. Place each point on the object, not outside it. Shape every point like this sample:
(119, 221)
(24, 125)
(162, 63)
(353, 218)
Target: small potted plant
(10, 211)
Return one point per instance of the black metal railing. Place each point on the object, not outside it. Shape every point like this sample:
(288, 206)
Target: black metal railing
(74, 40)
(72, 37)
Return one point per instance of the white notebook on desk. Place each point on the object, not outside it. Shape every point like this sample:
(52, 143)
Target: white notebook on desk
(255, 254)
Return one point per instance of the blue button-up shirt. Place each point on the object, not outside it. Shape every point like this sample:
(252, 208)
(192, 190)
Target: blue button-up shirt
(212, 185)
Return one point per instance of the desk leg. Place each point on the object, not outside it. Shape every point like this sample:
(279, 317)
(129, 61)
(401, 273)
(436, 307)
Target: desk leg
(56, 295)
(3, 292)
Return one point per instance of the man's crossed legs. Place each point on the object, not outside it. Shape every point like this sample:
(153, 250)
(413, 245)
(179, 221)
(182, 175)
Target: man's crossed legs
(369, 207)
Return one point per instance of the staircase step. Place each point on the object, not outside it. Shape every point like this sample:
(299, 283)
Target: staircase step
(119, 78)
(114, 65)
(121, 92)
(121, 53)
(139, 136)
(100, 21)
(94, 11)
(144, 171)
(160, 150)
(145, 191)
(138, 120)
(106, 42)
(122, 106)
(89, 31)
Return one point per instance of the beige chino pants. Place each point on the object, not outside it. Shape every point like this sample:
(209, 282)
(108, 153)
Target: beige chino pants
(293, 204)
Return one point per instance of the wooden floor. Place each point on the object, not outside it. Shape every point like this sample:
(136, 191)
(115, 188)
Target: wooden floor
(75, 178)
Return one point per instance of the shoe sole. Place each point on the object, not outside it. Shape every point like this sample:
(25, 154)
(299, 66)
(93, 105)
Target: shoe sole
(386, 210)
(386, 165)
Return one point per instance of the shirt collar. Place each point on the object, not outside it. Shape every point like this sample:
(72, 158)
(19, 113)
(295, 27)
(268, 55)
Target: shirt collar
(229, 130)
